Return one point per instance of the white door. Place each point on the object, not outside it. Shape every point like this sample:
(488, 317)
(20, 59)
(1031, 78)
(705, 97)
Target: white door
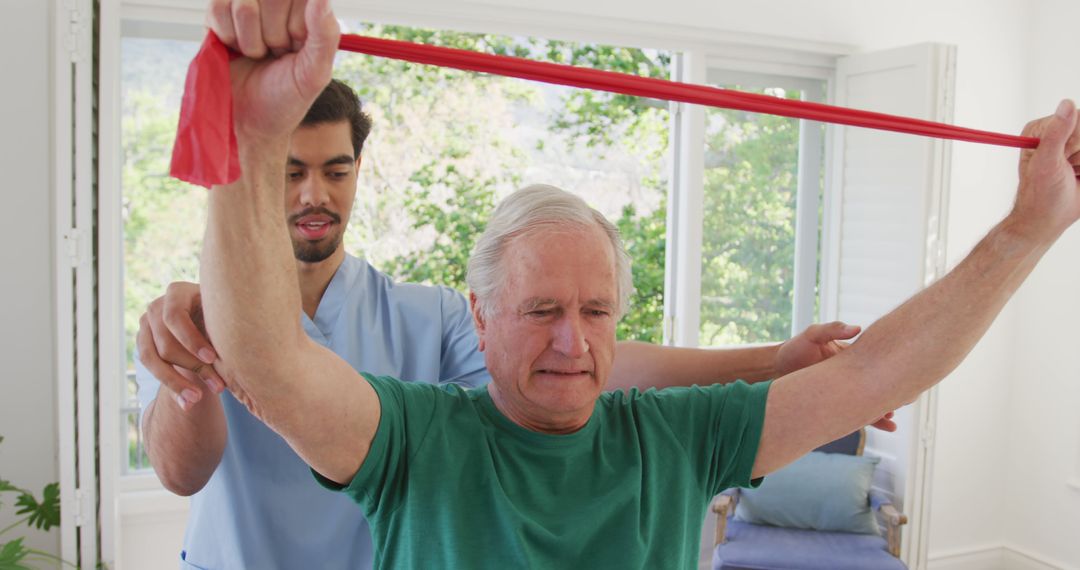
(885, 212)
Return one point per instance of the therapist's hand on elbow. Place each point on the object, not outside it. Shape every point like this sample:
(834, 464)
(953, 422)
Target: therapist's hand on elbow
(818, 343)
(173, 347)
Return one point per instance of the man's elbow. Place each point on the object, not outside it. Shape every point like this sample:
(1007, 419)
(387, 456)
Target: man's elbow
(183, 460)
(180, 486)
(178, 476)
(267, 385)
(261, 357)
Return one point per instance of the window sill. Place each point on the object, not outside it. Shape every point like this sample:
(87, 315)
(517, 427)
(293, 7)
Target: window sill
(142, 494)
(143, 480)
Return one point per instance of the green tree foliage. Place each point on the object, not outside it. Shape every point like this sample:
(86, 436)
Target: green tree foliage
(599, 118)
(749, 231)
(437, 131)
(161, 213)
(644, 237)
(457, 174)
(457, 221)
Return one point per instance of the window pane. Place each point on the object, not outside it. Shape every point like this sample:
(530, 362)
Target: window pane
(748, 243)
(163, 218)
(448, 145)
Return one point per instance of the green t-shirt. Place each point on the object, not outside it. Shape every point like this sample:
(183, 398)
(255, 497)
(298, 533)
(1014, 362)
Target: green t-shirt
(450, 482)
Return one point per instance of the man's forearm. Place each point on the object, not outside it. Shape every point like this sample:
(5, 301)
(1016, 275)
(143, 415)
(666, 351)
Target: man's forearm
(915, 346)
(251, 298)
(900, 356)
(250, 295)
(648, 365)
(184, 447)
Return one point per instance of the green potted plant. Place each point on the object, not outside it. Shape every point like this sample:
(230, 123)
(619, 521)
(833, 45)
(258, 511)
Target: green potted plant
(43, 514)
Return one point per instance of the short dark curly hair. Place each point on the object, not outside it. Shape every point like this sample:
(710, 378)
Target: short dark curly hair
(338, 102)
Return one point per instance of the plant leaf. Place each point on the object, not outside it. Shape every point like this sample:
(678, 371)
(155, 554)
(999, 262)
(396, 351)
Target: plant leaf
(43, 515)
(6, 485)
(51, 506)
(11, 555)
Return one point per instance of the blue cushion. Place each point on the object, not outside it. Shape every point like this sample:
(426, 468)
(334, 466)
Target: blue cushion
(821, 491)
(755, 547)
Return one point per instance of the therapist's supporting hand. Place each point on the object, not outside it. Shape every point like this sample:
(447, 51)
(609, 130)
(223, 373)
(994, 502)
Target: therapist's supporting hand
(173, 346)
(817, 343)
(184, 441)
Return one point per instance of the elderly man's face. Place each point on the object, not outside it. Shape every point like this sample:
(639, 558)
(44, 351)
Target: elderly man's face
(550, 340)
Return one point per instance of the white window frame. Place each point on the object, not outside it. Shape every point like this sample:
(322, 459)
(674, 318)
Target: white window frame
(76, 322)
(698, 52)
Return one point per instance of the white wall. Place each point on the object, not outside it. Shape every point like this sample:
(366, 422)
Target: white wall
(28, 456)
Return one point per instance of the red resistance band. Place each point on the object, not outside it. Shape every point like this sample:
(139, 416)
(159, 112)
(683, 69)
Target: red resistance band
(205, 152)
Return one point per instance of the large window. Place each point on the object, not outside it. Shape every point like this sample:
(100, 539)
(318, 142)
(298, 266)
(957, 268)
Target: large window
(448, 145)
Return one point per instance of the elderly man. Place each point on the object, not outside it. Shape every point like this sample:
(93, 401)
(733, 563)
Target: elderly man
(538, 469)
(255, 503)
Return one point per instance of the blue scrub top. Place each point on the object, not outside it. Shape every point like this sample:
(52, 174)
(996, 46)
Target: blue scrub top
(262, 507)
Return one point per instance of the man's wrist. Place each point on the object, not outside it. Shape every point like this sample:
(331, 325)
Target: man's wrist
(261, 151)
(262, 165)
(774, 354)
(1017, 235)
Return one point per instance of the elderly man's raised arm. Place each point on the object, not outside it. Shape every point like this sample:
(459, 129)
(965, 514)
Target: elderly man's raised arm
(251, 297)
(915, 346)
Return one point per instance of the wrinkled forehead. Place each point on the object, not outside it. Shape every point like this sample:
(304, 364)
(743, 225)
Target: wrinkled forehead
(561, 240)
(561, 258)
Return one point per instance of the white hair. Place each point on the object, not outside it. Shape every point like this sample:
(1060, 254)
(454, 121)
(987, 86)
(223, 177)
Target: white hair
(524, 211)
